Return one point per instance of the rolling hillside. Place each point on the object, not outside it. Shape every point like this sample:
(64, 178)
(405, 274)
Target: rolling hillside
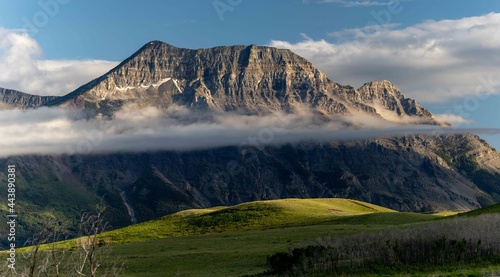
(235, 240)
(256, 215)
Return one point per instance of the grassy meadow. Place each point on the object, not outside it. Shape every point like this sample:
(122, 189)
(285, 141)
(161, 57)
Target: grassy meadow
(238, 240)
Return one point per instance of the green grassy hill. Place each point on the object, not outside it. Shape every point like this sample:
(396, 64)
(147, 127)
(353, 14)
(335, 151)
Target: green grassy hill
(486, 210)
(248, 216)
(235, 241)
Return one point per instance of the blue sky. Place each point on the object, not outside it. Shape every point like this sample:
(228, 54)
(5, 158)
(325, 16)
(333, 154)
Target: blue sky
(437, 51)
(110, 30)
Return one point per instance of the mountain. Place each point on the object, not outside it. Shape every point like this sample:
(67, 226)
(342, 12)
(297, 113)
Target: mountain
(405, 173)
(15, 99)
(222, 78)
(251, 78)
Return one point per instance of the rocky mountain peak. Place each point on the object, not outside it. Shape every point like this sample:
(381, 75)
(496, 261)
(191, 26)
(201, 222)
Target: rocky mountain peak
(380, 89)
(385, 95)
(254, 78)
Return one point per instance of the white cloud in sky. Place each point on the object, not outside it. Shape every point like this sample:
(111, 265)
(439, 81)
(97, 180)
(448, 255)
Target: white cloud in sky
(351, 3)
(433, 61)
(23, 68)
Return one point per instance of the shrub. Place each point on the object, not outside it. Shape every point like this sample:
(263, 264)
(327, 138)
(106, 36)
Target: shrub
(445, 243)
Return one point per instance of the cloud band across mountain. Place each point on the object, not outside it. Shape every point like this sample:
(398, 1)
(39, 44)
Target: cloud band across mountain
(58, 131)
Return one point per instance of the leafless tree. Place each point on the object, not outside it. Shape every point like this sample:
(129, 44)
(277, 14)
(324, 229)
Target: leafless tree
(46, 262)
(92, 250)
(45, 257)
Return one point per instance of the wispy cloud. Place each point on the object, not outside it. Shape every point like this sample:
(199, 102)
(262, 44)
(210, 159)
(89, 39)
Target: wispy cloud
(434, 61)
(23, 68)
(453, 119)
(58, 131)
(357, 3)
(353, 3)
(348, 3)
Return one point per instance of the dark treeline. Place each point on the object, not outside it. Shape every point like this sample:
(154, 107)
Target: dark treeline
(440, 244)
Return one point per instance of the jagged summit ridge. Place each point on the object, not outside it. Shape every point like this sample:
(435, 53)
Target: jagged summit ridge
(16, 99)
(222, 78)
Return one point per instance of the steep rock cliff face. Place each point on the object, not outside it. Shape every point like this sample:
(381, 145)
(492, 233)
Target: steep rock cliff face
(246, 78)
(252, 78)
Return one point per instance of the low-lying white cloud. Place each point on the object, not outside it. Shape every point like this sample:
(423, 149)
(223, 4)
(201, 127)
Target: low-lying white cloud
(23, 68)
(453, 119)
(434, 61)
(58, 131)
